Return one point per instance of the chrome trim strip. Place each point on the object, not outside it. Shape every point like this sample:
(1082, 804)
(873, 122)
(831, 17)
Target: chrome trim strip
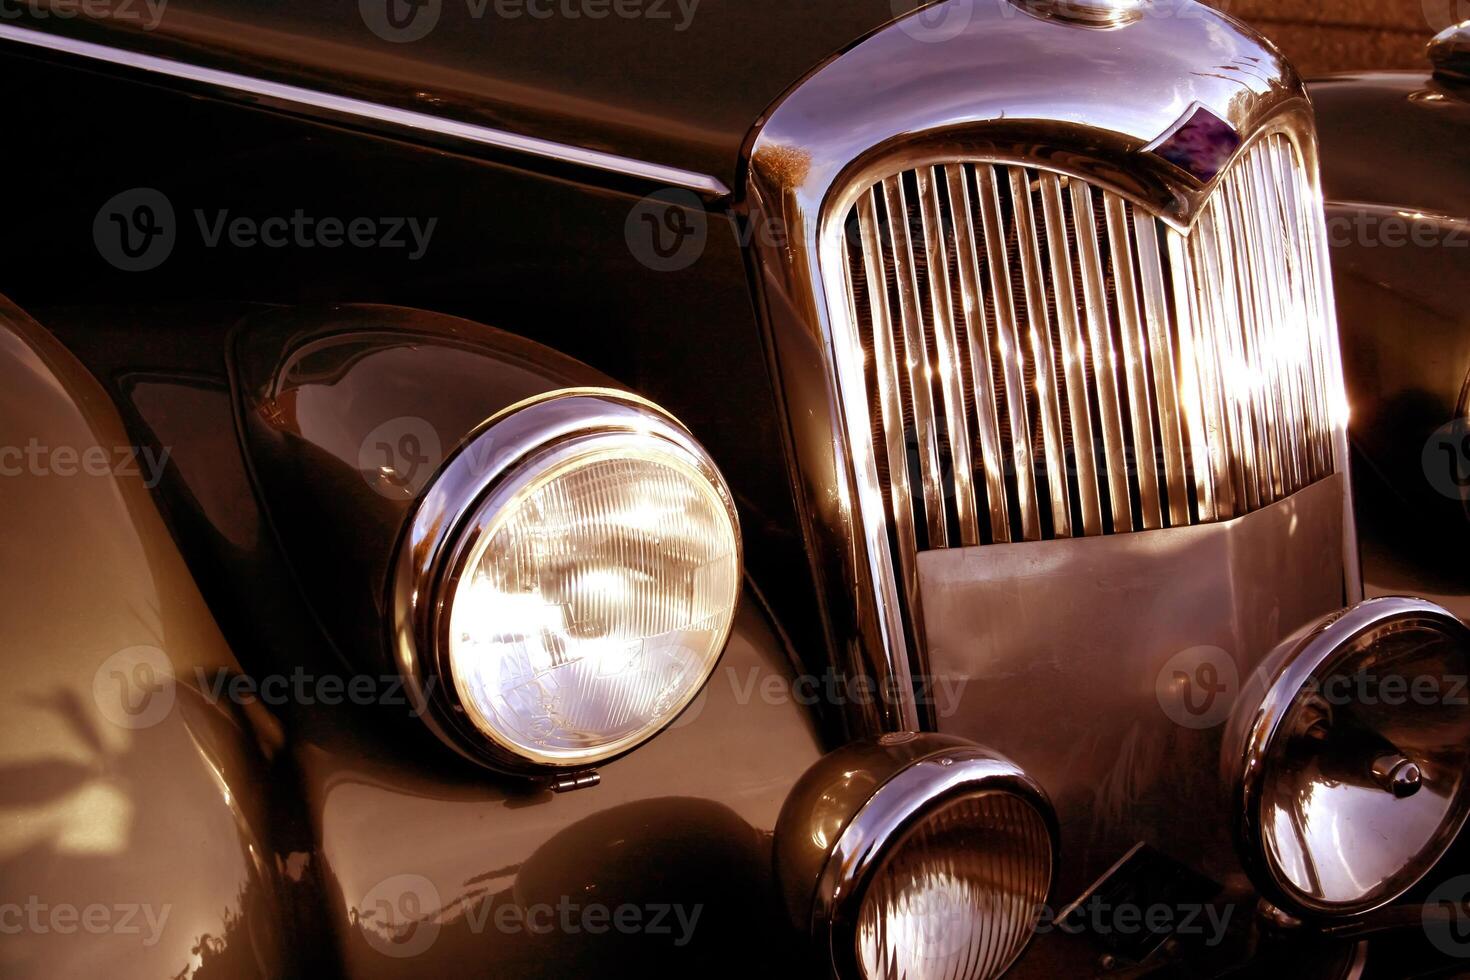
(404, 119)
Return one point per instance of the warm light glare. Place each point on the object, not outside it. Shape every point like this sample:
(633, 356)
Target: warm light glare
(595, 604)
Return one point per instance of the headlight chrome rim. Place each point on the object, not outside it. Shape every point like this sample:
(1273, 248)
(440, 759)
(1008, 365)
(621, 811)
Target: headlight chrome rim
(504, 453)
(895, 810)
(1330, 643)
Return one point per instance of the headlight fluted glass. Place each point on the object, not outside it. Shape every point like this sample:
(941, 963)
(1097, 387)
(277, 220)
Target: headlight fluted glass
(566, 583)
(595, 602)
(956, 899)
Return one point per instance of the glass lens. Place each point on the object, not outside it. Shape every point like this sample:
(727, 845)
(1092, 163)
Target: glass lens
(1364, 785)
(957, 898)
(595, 603)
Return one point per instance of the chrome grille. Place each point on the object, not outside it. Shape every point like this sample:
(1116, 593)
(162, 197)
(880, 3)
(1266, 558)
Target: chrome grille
(1045, 359)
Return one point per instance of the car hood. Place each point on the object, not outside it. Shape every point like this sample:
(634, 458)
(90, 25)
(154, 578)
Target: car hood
(674, 82)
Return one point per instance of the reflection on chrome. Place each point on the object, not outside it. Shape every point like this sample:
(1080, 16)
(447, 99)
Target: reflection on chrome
(1356, 769)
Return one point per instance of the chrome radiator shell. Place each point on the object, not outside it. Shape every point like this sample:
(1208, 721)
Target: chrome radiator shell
(1034, 101)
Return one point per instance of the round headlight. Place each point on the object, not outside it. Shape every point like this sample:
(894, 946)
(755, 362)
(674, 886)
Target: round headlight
(957, 896)
(916, 856)
(1354, 769)
(570, 578)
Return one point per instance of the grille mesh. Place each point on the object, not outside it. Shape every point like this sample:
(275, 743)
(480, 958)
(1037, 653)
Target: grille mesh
(1044, 359)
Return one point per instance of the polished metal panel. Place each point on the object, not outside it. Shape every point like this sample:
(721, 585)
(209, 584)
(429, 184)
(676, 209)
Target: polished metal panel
(1107, 667)
(1015, 109)
(1351, 757)
(1252, 335)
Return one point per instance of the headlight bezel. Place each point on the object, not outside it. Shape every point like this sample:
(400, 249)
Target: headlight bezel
(456, 509)
(1297, 666)
(855, 809)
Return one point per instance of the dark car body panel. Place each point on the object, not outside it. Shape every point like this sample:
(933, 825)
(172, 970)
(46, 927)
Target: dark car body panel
(664, 86)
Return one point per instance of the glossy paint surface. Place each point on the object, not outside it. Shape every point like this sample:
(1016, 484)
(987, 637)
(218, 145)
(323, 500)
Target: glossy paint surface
(124, 783)
(674, 82)
(1396, 152)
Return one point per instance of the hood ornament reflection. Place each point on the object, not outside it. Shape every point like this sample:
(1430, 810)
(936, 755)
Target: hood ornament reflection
(1085, 13)
(1201, 144)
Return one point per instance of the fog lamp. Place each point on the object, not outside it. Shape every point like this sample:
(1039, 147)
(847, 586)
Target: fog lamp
(1352, 777)
(570, 580)
(916, 856)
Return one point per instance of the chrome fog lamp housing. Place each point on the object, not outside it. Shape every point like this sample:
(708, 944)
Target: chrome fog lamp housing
(1351, 772)
(567, 581)
(916, 856)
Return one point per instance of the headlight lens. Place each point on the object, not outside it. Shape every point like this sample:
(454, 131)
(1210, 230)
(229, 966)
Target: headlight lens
(596, 600)
(916, 856)
(1355, 775)
(567, 582)
(957, 898)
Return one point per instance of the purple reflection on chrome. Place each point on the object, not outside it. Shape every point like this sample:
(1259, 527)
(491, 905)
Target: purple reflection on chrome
(1202, 146)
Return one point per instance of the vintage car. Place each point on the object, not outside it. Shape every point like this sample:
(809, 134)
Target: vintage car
(601, 487)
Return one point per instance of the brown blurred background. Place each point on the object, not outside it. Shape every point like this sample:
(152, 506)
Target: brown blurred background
(1344, 35)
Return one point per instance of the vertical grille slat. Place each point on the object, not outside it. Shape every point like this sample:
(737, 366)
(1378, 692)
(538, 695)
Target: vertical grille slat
(1074, 354)
(914, 361)
(1135, 363)
(1011, 352)
(982, 372)
(1104, 357)
(947, 346)
(1049, 359)
(1162, 348)
(885, 358)
(1043, 356)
